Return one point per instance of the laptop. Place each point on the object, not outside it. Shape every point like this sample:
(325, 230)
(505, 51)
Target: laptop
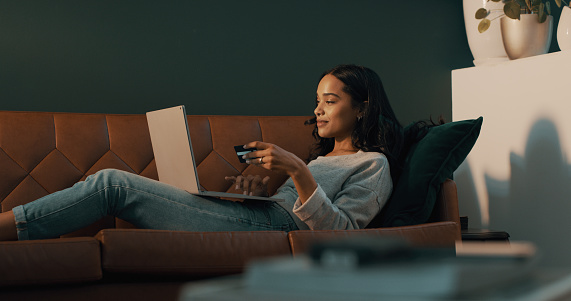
(174, 157)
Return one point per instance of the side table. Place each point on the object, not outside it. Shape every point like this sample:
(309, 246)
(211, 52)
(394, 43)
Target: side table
(484, 235)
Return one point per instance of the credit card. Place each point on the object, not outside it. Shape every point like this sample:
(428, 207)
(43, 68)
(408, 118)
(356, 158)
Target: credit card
(240, 151)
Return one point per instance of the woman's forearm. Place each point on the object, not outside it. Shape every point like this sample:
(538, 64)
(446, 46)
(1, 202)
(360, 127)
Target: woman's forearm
(303, 181)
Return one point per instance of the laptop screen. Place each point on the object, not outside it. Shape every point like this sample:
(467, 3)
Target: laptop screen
(172, 148)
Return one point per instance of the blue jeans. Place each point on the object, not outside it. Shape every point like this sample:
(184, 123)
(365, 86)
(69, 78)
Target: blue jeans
(145, 203)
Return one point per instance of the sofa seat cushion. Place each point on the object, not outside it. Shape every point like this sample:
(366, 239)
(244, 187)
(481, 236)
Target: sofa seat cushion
(439, 234)
(50, 261)
(163, 252)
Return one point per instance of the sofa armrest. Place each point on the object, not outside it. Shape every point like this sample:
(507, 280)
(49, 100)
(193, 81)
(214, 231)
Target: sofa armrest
(50, 261)
(439, 234)
(446, 206)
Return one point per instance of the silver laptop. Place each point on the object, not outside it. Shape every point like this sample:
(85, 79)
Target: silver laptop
(174, 157)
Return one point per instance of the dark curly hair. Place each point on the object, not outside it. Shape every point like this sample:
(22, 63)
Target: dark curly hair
(378, 130)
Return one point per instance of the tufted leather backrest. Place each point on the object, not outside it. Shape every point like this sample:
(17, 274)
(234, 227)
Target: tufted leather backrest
(41, 153)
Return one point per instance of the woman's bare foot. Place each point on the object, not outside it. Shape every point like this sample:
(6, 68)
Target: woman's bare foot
(8, 226)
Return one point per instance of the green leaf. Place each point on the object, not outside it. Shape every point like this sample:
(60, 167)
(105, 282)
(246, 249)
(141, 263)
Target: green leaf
(548, 7)
(528, 4)
(481, 13)
(484, 25)
(541, 16)
(512, 10)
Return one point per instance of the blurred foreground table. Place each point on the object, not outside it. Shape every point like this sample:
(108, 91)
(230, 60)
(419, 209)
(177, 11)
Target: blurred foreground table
(541, 285)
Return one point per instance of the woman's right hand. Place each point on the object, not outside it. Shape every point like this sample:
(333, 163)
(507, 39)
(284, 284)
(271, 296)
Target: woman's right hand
(251, 185)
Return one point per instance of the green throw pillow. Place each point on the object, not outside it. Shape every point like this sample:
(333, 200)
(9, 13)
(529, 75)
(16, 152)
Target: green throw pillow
(429, 163)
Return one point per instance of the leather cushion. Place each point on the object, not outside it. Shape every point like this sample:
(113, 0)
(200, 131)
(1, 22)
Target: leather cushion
(186, 253)
(50, 261)
(440, 234)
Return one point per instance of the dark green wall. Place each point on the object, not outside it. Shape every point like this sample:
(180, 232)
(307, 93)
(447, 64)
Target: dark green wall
(223, 57)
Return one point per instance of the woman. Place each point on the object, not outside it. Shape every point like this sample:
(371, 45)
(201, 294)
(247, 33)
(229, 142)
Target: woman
(346, 183)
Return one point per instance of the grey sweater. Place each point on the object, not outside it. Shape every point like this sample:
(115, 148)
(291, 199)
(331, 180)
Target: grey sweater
(351, 190)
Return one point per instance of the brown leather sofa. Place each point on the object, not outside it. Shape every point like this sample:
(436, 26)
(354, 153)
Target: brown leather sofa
(41, 153)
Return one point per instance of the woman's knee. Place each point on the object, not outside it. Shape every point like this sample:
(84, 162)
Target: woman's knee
(108, 175)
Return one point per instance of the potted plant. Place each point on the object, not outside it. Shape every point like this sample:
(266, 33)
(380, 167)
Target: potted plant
(487, 48)
(514, 8)
(525, 25)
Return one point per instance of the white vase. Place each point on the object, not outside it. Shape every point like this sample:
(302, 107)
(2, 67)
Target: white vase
(487, 48)
(564, 29)
(526, 37)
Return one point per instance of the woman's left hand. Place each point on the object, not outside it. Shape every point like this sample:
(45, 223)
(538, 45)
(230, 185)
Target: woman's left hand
(251, 185)
(273, 157)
